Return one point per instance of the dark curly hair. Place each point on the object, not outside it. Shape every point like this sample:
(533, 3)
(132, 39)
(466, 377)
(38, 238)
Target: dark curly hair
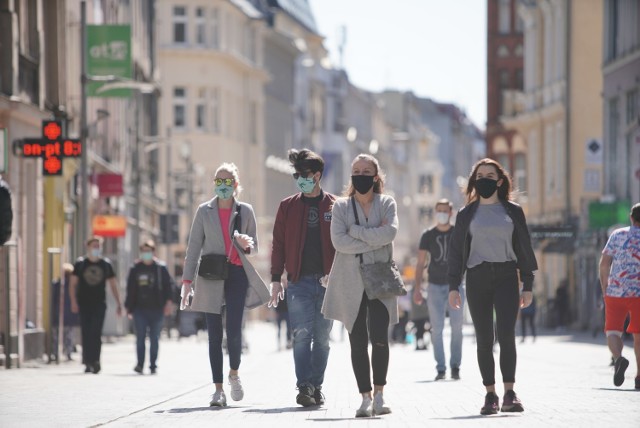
(306, 160)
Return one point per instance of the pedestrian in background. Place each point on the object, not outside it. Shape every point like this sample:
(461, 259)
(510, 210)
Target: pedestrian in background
(224, 226)
(433, 252)
(69, 319)
(491, 243)
(148, 300)
(305, 251)
(421, 324)
(282, 317)
(528, 316)
(620, 283)
(366, 320)
(87, 290)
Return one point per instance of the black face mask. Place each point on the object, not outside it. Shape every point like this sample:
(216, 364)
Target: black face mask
(362, 183)
(485, 187)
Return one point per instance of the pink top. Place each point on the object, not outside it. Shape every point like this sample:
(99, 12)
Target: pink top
(225, 216)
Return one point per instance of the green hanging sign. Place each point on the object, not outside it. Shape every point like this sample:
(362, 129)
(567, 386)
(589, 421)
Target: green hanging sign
(109, 54)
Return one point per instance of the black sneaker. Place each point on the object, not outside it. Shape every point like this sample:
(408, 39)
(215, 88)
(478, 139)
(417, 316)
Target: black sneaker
(153, 370)
(95, 369)
(440, 375)
(318, 396)
(305, 396)
(638, 382)
(511, 403)
(455, 374)
(490, 404)
(138, 369)
(87, 368)
(619, 368)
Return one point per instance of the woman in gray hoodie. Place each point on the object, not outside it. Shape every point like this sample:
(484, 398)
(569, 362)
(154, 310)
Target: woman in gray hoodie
(345, 299)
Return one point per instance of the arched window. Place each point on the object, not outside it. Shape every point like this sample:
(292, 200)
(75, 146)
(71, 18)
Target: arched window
(504, 16)
(503, 51)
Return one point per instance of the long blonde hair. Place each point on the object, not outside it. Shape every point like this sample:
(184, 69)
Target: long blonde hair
(378, 186)
(232, 169)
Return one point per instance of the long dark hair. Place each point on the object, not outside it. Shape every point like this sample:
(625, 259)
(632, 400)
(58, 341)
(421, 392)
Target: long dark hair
(504, 191)
(378, 186)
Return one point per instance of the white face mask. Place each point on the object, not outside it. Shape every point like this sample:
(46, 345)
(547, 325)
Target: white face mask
(442, 218)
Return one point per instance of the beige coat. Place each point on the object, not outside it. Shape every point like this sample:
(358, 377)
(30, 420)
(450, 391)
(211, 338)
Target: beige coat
(345, 287)
(206, 238)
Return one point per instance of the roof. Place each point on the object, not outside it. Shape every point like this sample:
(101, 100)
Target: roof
(300, 10)
(247, 8)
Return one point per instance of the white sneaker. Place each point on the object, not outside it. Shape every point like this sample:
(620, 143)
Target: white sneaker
(365, 408)
(236, 388)
(218, 399)
(378, 407)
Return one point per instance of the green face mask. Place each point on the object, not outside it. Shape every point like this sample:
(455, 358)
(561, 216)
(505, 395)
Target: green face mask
(306, 185)
(224, 192)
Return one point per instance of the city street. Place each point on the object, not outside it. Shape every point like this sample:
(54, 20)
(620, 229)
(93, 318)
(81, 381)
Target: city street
(563, 380)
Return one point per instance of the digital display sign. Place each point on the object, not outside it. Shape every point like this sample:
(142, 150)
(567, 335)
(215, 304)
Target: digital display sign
(51, 147)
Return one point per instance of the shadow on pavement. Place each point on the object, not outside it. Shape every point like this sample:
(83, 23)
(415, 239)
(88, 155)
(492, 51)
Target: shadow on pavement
(341, 419)
(285, 410)
(195, 409)
(631, 389)
(501, 415)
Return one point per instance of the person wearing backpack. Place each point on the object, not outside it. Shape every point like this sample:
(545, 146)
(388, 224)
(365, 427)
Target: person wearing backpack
(149, 299)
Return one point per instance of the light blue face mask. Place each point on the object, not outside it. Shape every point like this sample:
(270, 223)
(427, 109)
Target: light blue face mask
(306, 185)
(224, 192)
(146, 256)
(96, 252)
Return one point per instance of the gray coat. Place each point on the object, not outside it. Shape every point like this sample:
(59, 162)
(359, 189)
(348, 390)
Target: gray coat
(206, 238)
(344, 290)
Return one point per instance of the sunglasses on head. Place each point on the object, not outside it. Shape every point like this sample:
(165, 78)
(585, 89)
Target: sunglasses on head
(227, 181)
(305, 174)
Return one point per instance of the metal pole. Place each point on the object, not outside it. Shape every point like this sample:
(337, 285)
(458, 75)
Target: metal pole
(136, 171)
(7, 333)
(84, 208)
(52, 351)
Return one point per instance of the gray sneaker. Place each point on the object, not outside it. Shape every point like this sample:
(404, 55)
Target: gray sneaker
(365, 408)
(305, 396)
(378, 407)
(237, 393)
(218, 399)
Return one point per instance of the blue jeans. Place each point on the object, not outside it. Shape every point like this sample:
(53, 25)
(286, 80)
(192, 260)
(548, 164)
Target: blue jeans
(304, 299)
(235, 293)
(438, 303)
(147, 320)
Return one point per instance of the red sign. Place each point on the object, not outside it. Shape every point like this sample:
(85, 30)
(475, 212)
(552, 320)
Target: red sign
(111, 226)
(51, 147)
(108, 184)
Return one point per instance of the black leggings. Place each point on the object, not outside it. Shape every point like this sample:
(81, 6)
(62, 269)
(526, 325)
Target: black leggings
(530, 319)
(494, 286)
(374, 315)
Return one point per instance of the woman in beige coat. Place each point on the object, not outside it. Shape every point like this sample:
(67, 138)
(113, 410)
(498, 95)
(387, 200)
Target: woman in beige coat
(345, 299)
(216, 231)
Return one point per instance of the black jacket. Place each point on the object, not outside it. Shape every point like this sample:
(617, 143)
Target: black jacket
(157, 290)
(461, 242)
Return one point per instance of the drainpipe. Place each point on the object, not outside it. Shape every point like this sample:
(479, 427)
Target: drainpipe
(567, 128)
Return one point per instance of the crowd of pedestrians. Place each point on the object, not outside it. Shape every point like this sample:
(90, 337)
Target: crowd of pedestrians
(321, 244)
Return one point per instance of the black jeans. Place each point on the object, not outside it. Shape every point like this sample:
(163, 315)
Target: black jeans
(91, 322)
(527, 318)
(494, 286)
(372, 324)
(235, 293)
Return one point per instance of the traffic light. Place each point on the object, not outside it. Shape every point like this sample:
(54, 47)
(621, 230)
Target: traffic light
(52, 147)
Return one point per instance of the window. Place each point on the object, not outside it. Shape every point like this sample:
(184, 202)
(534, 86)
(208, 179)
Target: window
(250, 43)
(253, 123)
(520, 173)
(179, 108)
(612, 144)
(504, 79)
(632, 106)
(519, 51)
(503, 159)
(503, 51)
(201, 110)
(338, 123)
(504, 16)
(519, 79)
(201, 37)
(426, 184)
(519, 25)
(214, 103)
(215, 29)
(180, 24)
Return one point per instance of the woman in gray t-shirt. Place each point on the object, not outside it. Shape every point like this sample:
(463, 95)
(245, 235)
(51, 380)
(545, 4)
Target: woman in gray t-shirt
(491, 243)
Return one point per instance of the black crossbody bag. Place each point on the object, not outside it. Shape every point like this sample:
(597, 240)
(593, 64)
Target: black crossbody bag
(215, 267)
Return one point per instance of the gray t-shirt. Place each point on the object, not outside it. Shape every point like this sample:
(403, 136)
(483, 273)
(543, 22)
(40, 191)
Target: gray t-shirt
(491, 230)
